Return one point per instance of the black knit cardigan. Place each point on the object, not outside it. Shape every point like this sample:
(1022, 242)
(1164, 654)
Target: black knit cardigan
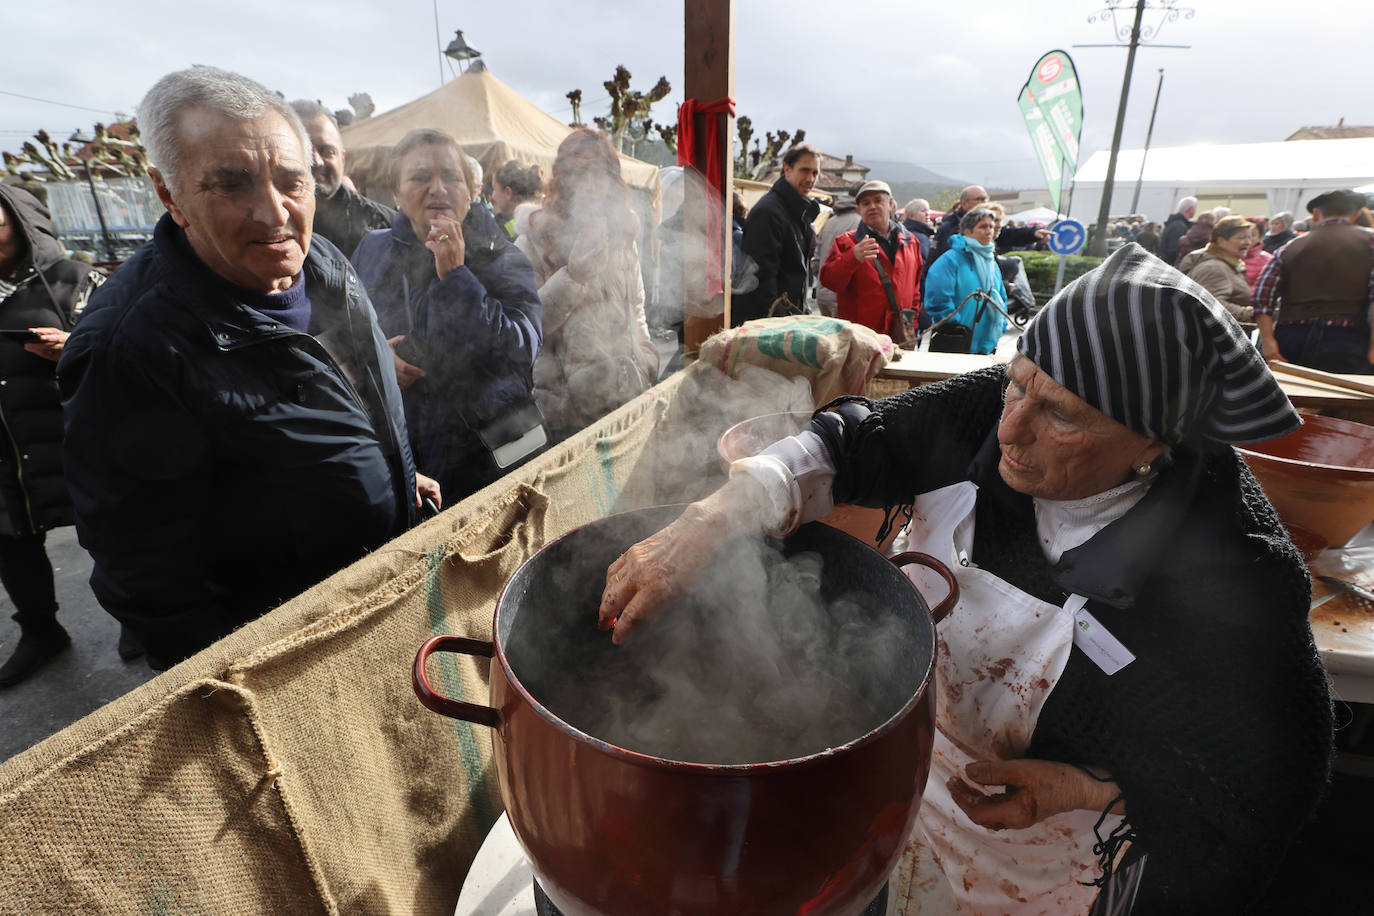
(1219, 734)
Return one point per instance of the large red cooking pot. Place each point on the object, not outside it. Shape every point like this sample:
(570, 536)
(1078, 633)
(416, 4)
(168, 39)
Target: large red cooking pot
(613, 831)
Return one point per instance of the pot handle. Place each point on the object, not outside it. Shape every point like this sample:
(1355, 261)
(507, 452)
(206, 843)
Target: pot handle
(459, 645)
(940, 610)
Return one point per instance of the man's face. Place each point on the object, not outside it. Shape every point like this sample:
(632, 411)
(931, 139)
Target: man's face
(11, 242)
(875, 210)
(803, 173)
(245, 197)
(327, 161)
(972, 197)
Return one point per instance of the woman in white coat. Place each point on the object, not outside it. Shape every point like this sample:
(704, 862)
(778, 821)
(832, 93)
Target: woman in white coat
(597, 353)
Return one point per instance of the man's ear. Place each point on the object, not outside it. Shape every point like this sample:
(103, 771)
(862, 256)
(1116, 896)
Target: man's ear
(164, 194)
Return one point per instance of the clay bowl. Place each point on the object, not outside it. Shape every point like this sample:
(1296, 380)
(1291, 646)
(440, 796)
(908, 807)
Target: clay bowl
(749, 437)
(1320, 478)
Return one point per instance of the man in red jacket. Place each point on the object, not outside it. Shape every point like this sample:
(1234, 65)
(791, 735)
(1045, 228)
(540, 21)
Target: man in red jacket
(860, 260)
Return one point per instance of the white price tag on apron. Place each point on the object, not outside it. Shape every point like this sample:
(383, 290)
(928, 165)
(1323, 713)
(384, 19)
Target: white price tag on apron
(1095, 640)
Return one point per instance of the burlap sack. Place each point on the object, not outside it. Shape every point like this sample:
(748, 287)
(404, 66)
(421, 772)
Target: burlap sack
(838, 357)
(289, 768)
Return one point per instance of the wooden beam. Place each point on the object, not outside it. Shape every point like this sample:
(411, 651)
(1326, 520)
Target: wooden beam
(708, 74)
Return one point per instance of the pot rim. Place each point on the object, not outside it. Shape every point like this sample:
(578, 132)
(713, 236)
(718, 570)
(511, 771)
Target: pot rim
(705, 769)
(1348, 471)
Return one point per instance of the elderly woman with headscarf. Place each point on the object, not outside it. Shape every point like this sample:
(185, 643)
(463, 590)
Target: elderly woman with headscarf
(1129, 665)
(1220, 267)
(964, 286)
(597, 350)
(458, 303)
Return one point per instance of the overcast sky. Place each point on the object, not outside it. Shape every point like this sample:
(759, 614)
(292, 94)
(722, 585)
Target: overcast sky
(933, 83)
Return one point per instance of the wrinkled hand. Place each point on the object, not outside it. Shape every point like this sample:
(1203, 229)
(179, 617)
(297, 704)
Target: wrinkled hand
(1034, 790)
(446, 241)
(588, 258)
(657, 572)
(427, 487)
(50, 343)
(866, 250)
(1269, 349)
(406, 374)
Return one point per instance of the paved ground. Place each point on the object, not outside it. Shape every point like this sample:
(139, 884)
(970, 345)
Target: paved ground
(80, 680)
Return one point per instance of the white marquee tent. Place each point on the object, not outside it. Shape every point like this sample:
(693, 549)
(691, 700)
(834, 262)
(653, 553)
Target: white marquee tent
(1255, 179)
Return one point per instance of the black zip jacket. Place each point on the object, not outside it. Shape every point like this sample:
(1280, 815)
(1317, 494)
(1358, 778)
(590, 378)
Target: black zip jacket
(220, 463)
(1219, 734)
(779, 238)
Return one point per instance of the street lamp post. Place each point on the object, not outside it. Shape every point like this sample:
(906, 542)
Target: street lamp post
(1150, 132)
(1169, 11)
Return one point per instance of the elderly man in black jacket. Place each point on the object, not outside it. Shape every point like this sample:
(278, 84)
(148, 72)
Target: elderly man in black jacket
(1175, 227)
(778, 237)
(41, 294)
(234, 431)
(342, 215)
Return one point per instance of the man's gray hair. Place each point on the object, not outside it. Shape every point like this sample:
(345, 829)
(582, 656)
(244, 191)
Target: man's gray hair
(211, 88)
(974, 217)
(1283, 216)
(1187, 203)
(915, 204)
(308, 110)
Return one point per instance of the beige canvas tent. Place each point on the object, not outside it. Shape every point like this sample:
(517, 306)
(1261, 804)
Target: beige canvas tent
(492, 121)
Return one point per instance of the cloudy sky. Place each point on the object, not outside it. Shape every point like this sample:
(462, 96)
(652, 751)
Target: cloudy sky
(933, 83)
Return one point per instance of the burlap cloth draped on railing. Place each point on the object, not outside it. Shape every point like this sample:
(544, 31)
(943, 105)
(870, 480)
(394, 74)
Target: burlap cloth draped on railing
(289, 768)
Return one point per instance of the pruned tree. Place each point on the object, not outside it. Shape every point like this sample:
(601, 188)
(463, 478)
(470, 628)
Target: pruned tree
(575, 97)
(755, 163)
(106, 154)
(629, 117)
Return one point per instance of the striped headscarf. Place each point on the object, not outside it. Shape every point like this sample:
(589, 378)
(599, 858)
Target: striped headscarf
(1154, 351)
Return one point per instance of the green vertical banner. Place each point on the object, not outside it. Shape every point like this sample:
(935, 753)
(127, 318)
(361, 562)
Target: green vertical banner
(1046, 150)
(1051, 103)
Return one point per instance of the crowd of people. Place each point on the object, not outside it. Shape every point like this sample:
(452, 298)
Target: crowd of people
(290, 374)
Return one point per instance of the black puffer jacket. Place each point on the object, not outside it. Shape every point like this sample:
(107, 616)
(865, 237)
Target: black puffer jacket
(1219, 734)
(779, 238)
(50, 293)
(221, 463)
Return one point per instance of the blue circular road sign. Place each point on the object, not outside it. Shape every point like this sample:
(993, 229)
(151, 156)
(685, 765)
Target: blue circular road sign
(1067, 236)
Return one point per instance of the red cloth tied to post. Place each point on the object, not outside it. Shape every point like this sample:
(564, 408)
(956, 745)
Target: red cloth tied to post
(713, 168)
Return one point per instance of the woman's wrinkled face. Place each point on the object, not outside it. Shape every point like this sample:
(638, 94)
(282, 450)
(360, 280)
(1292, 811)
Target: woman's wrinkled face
(1237, 245)
(1056, 446)
(430, 183)
(985, 231)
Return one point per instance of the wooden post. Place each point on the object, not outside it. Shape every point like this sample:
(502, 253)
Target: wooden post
(708, 74)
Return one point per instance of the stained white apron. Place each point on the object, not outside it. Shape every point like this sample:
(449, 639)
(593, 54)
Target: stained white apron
(998, 655)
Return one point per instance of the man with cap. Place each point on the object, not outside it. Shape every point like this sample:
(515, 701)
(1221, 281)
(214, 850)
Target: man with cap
(1312, 301)
(875, 269)
(342, 215)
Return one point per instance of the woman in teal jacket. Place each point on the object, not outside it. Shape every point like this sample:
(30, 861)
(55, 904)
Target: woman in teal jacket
(968, 266)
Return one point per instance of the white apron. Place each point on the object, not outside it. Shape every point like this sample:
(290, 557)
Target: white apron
(999, 653)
